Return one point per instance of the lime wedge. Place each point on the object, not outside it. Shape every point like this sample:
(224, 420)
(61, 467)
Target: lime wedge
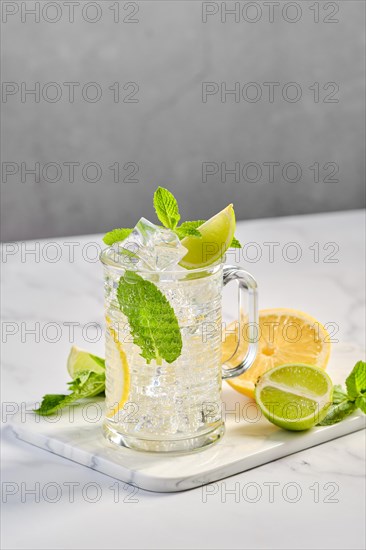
(80, 360)
(294, 396)
(217, 234)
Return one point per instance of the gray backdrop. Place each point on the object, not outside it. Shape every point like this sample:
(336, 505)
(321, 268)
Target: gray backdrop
(167, 121)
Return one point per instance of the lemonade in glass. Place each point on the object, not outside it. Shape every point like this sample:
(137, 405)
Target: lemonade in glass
(163, 334)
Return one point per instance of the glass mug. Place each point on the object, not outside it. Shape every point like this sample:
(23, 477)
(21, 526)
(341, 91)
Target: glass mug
(173, 407)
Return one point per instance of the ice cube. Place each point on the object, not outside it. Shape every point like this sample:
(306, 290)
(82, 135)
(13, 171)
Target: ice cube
(149, 247)
(168, 249)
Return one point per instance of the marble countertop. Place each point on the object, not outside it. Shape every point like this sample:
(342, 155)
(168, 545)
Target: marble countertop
(52, 297)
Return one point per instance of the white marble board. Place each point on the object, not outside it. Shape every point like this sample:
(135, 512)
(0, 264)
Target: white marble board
(247, 443)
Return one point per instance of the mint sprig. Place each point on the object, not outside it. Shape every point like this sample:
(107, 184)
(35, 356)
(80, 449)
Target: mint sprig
(346, 402)
(191, 232)
(116, 235)
(356, 382)
(361, 403)
(191, 225)
(167, 210)
(153, 324)
(85, 384)
(189, 229)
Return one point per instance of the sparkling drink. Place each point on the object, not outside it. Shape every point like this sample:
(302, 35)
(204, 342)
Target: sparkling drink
(161, 406)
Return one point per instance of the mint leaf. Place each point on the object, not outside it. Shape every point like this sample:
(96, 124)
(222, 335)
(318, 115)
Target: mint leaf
(154, 326)
(338, 412)
(86, 384)
(189, 226)
(356, 381)
(235, 243)
(339, 394)
(344, 403)
(116, 235)
(166, 208)
(361, 403)
(189, 229)
(184, 232)
(50, 404)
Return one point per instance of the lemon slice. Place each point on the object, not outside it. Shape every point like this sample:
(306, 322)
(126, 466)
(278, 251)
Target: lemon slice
(285, 336)
(216, 236)
(120, 387)
(295, 396)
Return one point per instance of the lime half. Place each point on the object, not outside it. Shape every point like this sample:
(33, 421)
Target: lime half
(80, 360)
(294, 396)
(217, 234)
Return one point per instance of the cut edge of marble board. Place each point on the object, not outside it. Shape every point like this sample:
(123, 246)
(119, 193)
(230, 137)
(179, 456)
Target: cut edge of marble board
(151, 471)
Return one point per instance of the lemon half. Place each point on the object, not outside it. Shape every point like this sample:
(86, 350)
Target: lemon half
(285, 336)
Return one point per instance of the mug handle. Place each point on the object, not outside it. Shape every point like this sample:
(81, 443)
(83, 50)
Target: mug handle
(246, 283)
